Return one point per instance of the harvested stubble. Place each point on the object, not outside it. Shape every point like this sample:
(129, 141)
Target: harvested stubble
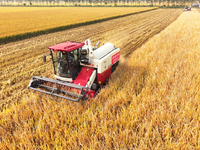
(144, 105)
(21, 60)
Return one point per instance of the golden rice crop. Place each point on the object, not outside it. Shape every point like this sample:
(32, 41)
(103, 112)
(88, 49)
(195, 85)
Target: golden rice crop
(150, 102)
(16, 21)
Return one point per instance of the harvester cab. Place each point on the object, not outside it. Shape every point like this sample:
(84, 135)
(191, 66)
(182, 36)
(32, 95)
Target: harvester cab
(66, 60)
(79, 68)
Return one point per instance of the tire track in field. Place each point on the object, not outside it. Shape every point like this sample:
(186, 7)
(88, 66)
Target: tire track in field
(19, 61)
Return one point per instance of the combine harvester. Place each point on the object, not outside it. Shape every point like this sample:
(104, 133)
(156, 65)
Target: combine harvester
(80, 70)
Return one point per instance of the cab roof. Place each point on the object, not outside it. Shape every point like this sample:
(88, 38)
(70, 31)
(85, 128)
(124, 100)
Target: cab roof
(67, 46)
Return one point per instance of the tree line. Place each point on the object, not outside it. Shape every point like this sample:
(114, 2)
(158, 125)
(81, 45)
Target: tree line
(100, 2)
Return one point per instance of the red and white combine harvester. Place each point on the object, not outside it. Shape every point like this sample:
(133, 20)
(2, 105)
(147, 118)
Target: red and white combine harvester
(80, 70)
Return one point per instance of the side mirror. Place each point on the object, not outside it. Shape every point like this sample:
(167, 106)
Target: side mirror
(44, 58)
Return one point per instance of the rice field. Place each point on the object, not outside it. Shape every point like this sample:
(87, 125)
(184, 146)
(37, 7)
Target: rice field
(21, 20)
(150, 102)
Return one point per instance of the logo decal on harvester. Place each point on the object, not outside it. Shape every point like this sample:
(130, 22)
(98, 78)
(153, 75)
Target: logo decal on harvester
(115, 57)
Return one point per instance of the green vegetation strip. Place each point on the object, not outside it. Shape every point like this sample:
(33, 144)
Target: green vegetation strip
(23, 36)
